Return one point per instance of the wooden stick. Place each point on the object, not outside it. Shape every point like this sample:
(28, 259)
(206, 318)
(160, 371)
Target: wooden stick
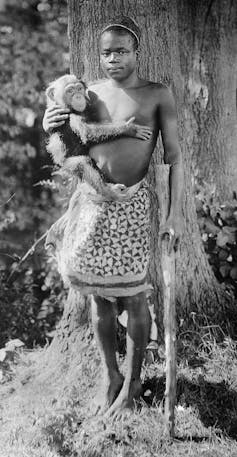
(29, 252)
(168, 277)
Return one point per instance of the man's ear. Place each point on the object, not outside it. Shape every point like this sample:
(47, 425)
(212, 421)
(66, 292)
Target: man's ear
(50, 92)
(137, 53)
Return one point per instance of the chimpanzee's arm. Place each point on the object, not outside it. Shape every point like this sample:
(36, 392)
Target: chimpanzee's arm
(97, 133)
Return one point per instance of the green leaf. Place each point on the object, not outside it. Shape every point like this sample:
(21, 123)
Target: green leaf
(224, 270)
(13, 344)
(226, 235)
(3, 355)
(210, 227)
(233, 273)
(222, 239)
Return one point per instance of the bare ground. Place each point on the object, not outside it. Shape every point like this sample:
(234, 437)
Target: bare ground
(45, 411)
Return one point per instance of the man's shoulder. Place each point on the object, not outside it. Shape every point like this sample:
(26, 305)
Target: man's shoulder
(98, 85)
(155, 84)
(162, 94)
(158, 87)
(157, 90)
(95, 90)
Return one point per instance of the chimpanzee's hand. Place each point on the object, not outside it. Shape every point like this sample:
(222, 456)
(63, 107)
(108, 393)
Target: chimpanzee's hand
(54, 116)
(142, 132)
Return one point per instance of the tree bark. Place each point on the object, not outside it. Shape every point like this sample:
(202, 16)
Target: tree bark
(197, 291)
(207, 33)
(74, 323)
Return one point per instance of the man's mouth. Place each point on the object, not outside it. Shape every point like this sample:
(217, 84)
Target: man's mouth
(114, 68)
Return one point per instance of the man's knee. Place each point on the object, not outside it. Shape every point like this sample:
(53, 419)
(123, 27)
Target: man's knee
(137, 306)
(101, 308)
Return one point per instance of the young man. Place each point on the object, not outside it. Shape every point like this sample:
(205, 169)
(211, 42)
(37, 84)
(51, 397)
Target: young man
(125, 160)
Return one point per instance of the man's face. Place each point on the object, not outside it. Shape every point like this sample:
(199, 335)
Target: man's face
(117, 55)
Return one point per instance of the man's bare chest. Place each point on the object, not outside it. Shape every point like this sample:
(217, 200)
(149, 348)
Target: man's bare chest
(121, 105)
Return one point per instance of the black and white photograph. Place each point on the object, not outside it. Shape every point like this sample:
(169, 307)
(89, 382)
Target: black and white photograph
(118, 228)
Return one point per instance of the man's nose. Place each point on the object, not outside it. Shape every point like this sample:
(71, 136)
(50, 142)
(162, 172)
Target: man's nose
(113, 57)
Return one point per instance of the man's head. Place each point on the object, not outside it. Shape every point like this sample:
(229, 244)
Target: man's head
(119, 42)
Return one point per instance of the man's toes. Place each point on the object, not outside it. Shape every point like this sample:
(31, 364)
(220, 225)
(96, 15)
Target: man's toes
(94, 408)
(123, 414)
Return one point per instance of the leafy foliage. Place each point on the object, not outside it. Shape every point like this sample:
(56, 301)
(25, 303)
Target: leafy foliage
(23, 313)
(218, 225)
(34, 51)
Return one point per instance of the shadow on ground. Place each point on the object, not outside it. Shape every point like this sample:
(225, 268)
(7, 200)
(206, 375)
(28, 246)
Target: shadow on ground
(216, 402)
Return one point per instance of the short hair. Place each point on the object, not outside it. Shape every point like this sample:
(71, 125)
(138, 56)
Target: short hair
(124, 25)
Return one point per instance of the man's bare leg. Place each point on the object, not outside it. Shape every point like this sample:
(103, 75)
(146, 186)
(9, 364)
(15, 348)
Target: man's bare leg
(104, 325)
(138, 328)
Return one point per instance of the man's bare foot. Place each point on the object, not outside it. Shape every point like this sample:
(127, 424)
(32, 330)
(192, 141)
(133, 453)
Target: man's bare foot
(106, 396)
(125, 400)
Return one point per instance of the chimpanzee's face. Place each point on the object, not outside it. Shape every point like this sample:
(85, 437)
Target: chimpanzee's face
(69, 92)
(74, 96)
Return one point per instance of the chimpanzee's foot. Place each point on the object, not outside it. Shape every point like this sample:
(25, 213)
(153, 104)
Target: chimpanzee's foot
(125, 400)
(106, 396)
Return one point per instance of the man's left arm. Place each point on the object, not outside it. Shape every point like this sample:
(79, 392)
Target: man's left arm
(173, 157)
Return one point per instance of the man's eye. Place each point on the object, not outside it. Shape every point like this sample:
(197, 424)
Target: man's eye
(121, 53)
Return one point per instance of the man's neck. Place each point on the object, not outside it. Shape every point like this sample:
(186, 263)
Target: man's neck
(130, 82)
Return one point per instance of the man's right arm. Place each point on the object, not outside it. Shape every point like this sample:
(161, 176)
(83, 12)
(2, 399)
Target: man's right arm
(172, 156)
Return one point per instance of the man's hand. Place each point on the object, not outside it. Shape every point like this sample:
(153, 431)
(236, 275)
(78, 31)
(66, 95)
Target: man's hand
(173, 227)
(54, 117)
(142, 132)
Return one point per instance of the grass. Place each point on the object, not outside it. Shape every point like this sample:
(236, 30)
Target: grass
(44, 408)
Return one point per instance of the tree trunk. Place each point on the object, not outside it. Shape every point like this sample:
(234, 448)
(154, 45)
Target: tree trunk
(208, 56)
(75, 317)
(196, 288)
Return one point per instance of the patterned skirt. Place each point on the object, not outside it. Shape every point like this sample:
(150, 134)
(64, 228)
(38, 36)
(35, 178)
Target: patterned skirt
(103, 247)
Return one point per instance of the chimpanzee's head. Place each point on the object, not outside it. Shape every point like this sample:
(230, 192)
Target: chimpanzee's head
(69, 92)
